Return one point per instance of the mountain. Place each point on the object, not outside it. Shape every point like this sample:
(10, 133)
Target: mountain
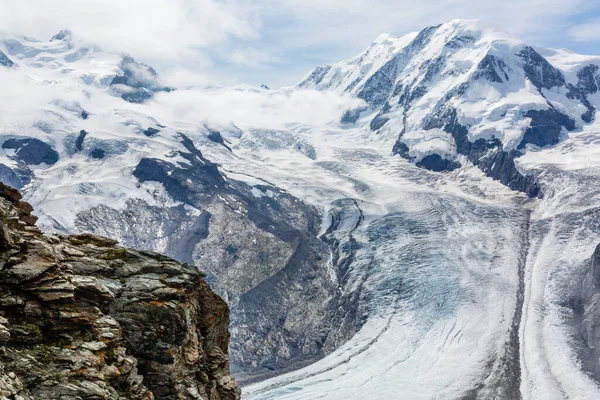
(5, 61)
(419, 219)
(465, 92)
(93, 154)
(83, 318)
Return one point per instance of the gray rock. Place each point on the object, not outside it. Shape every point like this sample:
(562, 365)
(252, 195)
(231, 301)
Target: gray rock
(32, 151)
(5, 61)
(80, 139)
(138, 82)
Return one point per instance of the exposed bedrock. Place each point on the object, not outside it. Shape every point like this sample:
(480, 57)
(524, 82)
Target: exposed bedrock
(83, 318)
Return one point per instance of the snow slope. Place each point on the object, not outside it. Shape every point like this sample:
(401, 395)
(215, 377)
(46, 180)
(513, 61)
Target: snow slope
(435, 268)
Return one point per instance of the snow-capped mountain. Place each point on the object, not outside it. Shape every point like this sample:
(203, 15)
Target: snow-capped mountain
(362, 225)
(465, 91)
(89, 143)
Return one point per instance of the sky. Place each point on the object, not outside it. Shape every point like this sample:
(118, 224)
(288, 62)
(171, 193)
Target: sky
(277, 42)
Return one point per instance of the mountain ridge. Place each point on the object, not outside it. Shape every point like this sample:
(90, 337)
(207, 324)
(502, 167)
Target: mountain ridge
(426, 91)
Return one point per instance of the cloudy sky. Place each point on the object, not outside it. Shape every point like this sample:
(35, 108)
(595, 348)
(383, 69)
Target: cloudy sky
(277, 42)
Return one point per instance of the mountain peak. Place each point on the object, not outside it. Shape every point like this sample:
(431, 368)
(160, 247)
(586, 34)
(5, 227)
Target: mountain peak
(471, 24)
(382, 38)
(462, 88)
(64, 35)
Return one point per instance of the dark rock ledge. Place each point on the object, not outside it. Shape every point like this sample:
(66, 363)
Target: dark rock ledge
(588, 308)
(83, 318)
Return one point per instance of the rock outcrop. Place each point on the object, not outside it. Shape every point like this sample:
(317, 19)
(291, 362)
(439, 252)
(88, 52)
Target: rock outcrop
(587, 309)
(590, 323)
(5, 61)
(83, 318)
(32, 151)
(137, 83)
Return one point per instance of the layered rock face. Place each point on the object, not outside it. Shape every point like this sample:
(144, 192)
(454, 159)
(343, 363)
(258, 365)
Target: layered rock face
(82, 318)
(590, 326)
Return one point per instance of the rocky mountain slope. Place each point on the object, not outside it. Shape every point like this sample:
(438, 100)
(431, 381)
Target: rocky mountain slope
(154, 189)
(82, 318)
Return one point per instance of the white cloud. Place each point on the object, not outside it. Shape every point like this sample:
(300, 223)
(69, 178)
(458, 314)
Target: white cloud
(253, 108)
(588, 31)
(277, 41)
(145, 28)
(254, 58)
(183, 78)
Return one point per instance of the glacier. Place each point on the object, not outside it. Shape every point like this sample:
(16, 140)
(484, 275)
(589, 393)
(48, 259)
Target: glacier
(415, 222)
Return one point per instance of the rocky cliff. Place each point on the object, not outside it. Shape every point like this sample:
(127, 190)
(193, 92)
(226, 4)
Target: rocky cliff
(83, 318)
(590, 323)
